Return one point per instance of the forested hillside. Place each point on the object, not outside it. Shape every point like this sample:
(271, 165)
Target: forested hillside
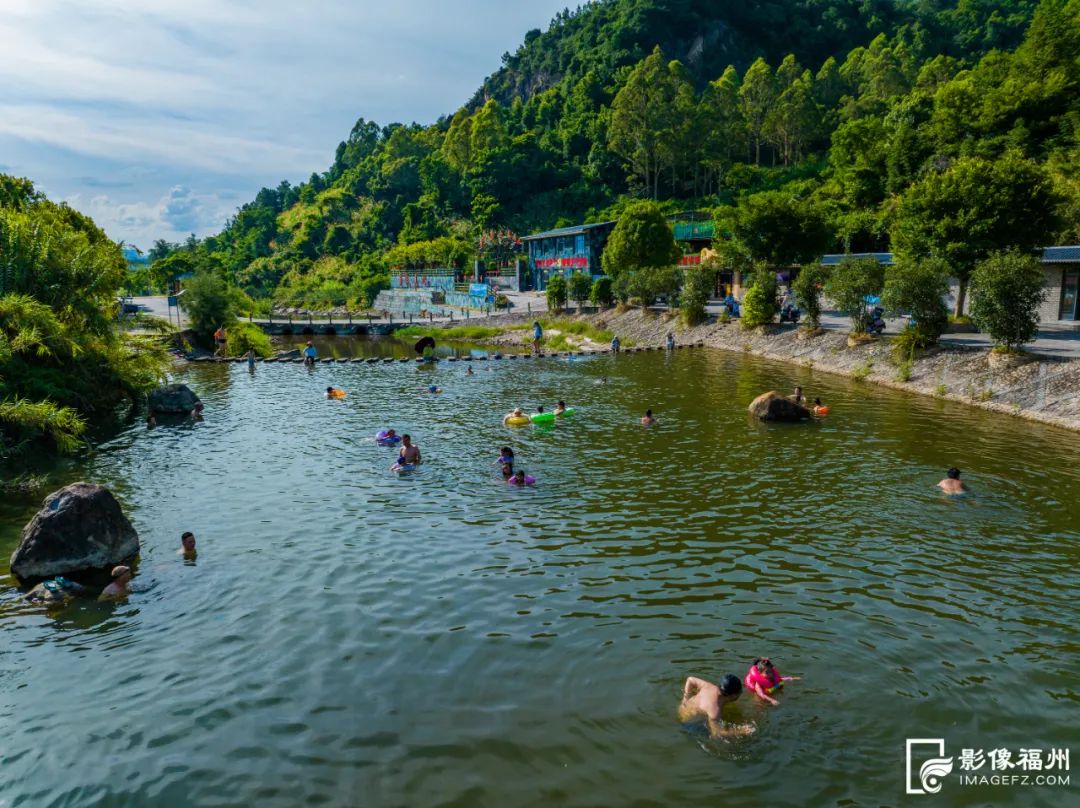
(843, 107)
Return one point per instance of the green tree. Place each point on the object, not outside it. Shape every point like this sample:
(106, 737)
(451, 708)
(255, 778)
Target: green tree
(208, 303)
(779, 229)
(601, 294)
(975, 208)
(242, 336)
(556, 293)
(919, 288)
(642, 238)
(848, 285)
(759, 302)
(757, 94)
(1007, 290)
(580, 286)
(643, 118)
(698, 284)
(807, 287)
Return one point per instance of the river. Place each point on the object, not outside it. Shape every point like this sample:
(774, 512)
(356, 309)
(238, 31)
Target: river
(351, 637)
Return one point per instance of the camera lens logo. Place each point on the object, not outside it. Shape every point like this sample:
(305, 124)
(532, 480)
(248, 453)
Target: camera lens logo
(931, 771)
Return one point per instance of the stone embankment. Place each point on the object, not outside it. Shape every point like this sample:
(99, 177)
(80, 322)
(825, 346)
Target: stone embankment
(1036, 387)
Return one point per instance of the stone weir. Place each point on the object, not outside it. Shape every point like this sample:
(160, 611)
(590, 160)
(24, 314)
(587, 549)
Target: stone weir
(493, 357)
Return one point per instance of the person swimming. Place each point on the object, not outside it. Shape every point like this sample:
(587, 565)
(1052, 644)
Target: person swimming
(335, 392)
(764, 679)
(516, 414)
(540, 409)
(521, 478)
(118, 589)
(408, 455)
(951, 484)
(434, 388)
(560, 408)
(798, 396)
(387, 437)
(187, 546)
(151, 421)
(601, 380)
(819, 408)
(54, 592)
(648, 419)
(702, 699)
(506, 457)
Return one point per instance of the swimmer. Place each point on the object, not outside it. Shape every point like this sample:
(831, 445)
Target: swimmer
(762, 678)
(387, 438)
(118, 589)
(151, 421)
(507, 471)
(560, 408)
(468, 371)
(540, 409)
(520, 478)
(434, 388)
(798, 397)
(517, 413)
(506, 456)
(951, 484)
(187, 546)
(197, 412)
(647, 419)
(819, 408)
(409, 454)
(708, 700)
(601, 380)
(335, 392)
(56, 592)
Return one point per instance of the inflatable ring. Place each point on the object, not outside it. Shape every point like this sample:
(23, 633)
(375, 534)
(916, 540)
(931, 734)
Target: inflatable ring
(529, 480)
(542, 417)
(383, 439)
(517, 420)
(567, 411)
(337, 394)
(821, 410)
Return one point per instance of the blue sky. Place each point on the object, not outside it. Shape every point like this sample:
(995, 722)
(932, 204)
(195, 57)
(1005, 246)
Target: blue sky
(160, 117)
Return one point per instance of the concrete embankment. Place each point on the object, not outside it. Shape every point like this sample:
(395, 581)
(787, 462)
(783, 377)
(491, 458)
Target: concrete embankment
(1030, 386)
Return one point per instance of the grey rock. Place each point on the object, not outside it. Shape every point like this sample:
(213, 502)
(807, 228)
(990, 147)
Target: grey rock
(172, 399)
(79, 527)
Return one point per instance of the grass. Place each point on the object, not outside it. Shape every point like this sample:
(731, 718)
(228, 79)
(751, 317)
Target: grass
(566, 327)
(862, 370)
(940, 390)
(465, 332)
(903, 372)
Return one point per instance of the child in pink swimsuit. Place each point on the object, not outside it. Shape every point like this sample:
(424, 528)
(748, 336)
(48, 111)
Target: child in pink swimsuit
(763, 679)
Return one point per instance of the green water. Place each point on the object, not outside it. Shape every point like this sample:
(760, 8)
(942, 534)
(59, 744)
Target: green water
(350, 637)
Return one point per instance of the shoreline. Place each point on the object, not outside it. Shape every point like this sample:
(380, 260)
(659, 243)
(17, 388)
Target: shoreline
(1030, 386)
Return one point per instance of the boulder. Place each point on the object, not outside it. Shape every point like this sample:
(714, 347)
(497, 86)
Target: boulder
(772, 406)
(80, 527)
(172, 399)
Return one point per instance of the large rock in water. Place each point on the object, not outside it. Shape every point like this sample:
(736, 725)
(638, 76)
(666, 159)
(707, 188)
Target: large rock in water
(172, 398)
(80, 527)
(772, 406)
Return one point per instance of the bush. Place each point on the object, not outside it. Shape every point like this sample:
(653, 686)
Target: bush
(601, 293)
(622, 287)
(807, 288)
(208, 303)
(242, 336)
(919, 288)
(759, 303)
(556, 293)
(697, 286)
(850, 282)
(580, 286)
(1006, 292)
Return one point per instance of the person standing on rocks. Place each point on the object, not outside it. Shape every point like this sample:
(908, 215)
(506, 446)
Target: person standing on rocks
(118, 589)
(538, 334)
(310, 353)
(670, 341)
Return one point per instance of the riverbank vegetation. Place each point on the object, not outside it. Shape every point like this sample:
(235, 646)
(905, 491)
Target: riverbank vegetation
(801, 127)
(64, 364)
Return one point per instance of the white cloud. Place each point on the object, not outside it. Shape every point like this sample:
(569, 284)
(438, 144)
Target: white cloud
(241, 93)
(172, 216)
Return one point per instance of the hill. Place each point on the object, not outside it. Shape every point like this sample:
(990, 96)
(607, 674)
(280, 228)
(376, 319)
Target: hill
(694, 103)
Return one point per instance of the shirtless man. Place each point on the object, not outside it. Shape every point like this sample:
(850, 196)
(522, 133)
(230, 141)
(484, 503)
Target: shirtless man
(951, 484)
(409, 452)
(648, 419)
(187, 546)
(118, 589)
(707, 701)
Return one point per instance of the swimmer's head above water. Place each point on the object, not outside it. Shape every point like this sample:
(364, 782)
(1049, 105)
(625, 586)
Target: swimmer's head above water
(731, 686)
(953, 473)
